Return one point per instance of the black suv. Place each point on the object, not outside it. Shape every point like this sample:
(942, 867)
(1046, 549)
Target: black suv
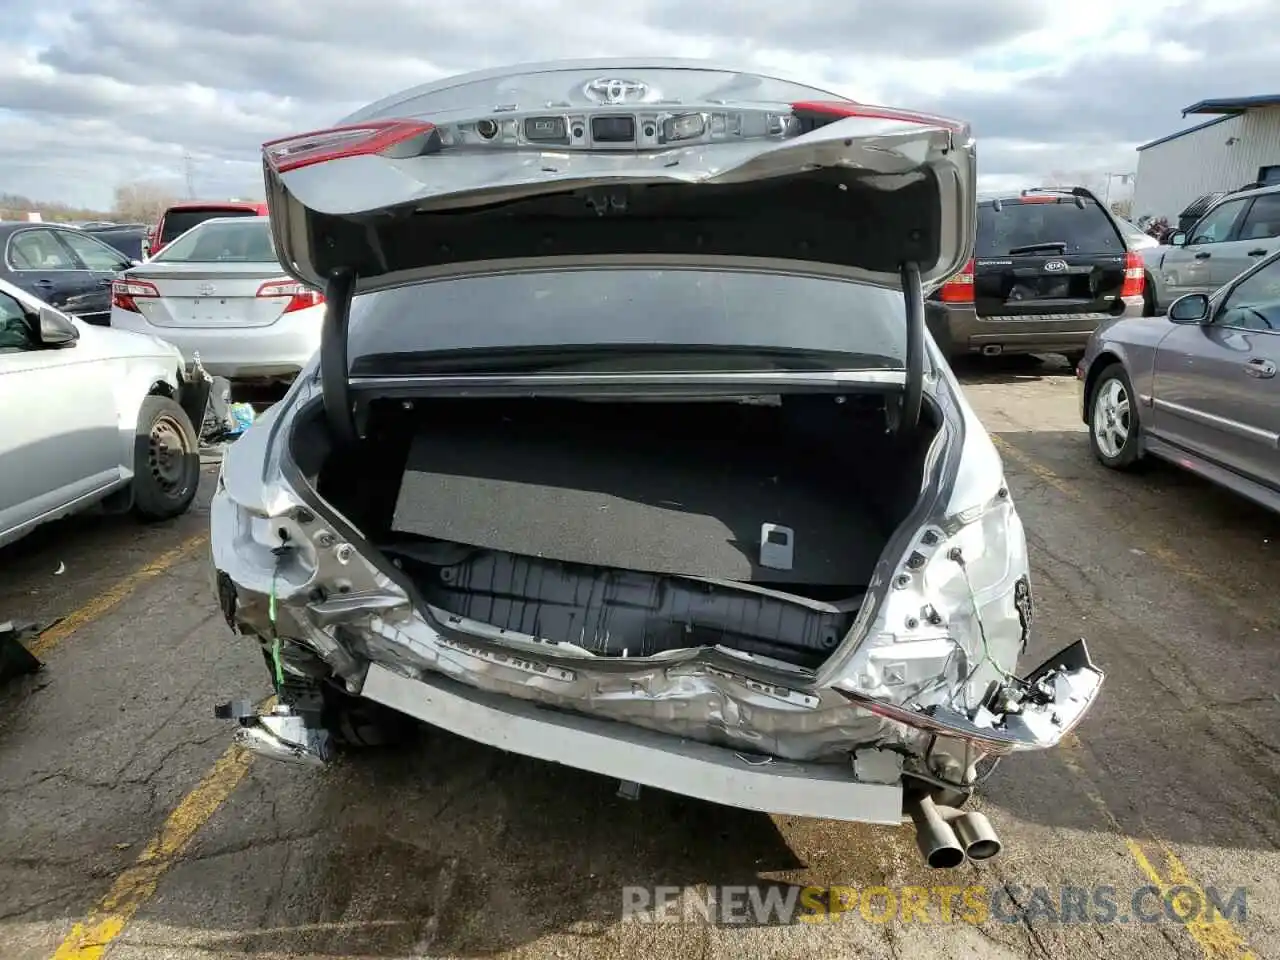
(1049, 265)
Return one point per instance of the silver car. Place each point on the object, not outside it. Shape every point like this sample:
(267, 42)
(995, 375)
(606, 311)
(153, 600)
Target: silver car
(1235, 233)
(217, 291)
(627, 448)
(1198, 387)
(92, 417)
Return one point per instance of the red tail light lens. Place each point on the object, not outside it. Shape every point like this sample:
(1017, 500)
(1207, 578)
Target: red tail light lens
(959, 289)
(837, 110)
(300, 295)
(1135, 277)
(359, 140)
(126, 293)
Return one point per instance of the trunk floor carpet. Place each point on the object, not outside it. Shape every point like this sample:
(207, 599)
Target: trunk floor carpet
(683, 505)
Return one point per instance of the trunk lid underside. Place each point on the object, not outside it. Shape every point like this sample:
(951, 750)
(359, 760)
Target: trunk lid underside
(857, 197)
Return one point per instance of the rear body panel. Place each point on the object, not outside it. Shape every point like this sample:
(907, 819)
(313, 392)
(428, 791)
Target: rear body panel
(209, 294)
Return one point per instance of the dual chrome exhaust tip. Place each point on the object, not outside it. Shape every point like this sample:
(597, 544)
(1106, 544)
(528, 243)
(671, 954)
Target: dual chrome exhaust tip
(947, 837)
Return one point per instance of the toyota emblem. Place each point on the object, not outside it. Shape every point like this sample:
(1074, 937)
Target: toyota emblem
(612, 90)
(1055, 266)
(205, 290)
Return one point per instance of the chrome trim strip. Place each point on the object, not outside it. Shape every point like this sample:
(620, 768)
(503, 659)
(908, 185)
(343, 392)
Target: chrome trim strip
(1245, 430)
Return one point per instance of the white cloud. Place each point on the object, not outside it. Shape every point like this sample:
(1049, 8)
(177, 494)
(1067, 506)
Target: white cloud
(100, 92)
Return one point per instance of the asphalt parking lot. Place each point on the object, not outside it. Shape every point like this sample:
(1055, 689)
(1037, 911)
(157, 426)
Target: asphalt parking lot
(128, 825)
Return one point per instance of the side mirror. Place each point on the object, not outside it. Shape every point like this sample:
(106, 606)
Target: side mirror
(1179, 239)
(1192, 308)
(55, 330)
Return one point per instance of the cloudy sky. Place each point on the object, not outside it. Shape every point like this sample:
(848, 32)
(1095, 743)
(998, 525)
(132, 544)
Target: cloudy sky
(94, 93)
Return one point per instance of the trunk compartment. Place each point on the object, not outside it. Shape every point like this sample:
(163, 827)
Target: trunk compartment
(629, 527)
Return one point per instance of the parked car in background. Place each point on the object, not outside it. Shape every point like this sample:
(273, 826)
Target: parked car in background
(1049, 266)
(1135, 236)
(91, 416)
(181, 217)
(1198, 387)
(63, 266)
(589, 560)
(218, 291)
(1241, 229)
(128, 238)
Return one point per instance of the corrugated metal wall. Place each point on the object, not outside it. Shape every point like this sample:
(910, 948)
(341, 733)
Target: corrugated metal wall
(1173, 173)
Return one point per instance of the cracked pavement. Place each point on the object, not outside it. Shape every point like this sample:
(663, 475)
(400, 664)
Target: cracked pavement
(446, 849)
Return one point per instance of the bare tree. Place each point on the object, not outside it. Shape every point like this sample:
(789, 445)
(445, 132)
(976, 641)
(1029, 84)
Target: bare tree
(142, 201)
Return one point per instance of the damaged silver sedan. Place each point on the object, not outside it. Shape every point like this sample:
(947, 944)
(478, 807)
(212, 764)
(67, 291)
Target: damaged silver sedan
(627, 448)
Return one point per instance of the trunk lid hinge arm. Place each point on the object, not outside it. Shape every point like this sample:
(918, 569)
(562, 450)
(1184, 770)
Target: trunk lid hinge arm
(334, 384)
(913, 388)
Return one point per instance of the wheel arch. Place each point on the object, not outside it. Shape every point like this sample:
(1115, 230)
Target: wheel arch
(1100, 364)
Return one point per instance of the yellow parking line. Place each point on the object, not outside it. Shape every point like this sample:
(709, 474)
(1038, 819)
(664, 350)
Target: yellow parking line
(89, 938)
(103, 602)
(1214, 934)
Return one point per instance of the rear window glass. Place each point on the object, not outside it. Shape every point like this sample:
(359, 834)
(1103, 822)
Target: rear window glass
(178, 222)
(1083, 229)
(221, 241)
(791, 322)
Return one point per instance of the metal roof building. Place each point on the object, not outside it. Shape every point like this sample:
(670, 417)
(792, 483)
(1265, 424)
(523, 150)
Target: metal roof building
(1239, 146)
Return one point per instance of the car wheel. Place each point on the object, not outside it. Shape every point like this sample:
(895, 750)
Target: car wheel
(166, 460)
(356, 724)
(1113, 419)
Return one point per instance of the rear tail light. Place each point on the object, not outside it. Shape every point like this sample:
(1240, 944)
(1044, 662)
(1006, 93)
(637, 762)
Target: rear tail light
(831, 110)
(959, 289)
(300, 295)
(1135, 278)
(396, 138)
(126, 293)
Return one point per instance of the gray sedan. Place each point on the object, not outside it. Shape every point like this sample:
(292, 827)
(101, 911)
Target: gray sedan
(1197, 387)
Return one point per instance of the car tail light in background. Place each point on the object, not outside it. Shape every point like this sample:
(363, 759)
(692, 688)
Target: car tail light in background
(1135, 279)
(408, 138)
(959, 289)
(300, 295)
(126, 293)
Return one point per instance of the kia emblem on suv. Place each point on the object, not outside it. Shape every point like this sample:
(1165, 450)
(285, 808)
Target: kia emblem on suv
(1055, 266)
(205, 290)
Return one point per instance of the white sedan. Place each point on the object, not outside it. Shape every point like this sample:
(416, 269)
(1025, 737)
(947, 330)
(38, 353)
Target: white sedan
(91, 416)
(218, 292)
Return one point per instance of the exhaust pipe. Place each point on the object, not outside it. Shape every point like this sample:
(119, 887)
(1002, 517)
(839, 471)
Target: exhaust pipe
(977, 836)
(938, 843)
(992, 350)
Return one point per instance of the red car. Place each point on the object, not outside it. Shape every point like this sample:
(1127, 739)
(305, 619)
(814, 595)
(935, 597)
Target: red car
(181, 217)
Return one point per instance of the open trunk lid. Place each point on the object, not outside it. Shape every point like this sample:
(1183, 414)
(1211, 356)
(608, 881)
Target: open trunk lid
(620, 165)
